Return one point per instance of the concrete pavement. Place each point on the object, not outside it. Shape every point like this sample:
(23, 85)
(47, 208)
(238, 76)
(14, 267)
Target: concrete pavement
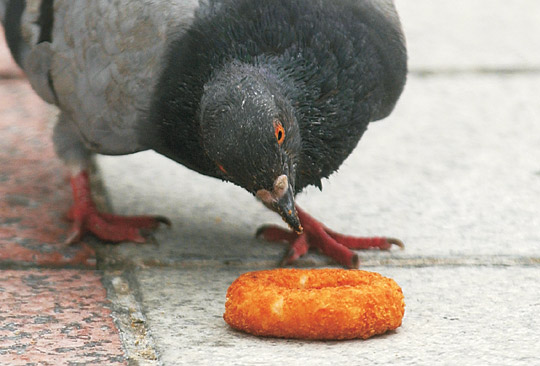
(454, 172)
(454, 315)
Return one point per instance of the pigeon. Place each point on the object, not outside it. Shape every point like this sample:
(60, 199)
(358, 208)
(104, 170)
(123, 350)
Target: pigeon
(270, 95)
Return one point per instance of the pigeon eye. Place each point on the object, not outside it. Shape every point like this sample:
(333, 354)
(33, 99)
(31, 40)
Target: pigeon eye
(279, 132)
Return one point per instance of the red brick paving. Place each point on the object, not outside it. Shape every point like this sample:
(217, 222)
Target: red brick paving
(56, 317)
(47, 316)
(34, 193)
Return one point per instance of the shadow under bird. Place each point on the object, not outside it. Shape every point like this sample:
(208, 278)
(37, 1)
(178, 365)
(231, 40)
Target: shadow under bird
(270, 95)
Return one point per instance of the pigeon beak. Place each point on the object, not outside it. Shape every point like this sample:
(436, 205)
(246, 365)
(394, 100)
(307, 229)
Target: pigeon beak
(281, 200)
(285, 207)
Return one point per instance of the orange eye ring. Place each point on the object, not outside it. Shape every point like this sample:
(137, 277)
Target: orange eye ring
(279, 132)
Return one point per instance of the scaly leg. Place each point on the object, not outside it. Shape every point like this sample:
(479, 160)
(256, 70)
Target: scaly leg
(84, 213)
(109, 227)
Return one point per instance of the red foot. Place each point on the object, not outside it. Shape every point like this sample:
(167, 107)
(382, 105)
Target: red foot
(332, 244)
(108, 227)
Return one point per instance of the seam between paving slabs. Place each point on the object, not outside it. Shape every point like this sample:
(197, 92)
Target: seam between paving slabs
(443, 71)
(123, 293)
(251, 263)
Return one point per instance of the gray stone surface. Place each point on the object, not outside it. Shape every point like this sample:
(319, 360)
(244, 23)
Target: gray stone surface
(471, 35)
(467, 315)
(455, 171)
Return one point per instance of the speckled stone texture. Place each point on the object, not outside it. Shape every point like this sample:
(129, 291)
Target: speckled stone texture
(56, 318)
(34, 191)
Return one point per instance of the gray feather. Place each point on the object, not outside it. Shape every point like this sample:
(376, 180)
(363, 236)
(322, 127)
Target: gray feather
(102, 64)
(37, 64)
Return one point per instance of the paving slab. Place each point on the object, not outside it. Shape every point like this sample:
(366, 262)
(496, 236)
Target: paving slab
(34, 188)
(473, 35)
(56, 317)
(449, 177)
(454, 315)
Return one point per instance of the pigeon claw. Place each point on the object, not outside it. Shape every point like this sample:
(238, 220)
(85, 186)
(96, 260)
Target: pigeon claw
(397, 242)
(298, 248)
(315, 235)
(106, 226)
(112, 228)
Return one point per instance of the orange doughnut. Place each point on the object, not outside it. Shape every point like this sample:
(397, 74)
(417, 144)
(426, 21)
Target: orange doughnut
(314, 304)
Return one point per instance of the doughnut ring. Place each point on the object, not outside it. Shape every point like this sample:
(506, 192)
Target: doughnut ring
(314, 304)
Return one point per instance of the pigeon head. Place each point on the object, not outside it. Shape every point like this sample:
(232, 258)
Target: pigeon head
(249, 130)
